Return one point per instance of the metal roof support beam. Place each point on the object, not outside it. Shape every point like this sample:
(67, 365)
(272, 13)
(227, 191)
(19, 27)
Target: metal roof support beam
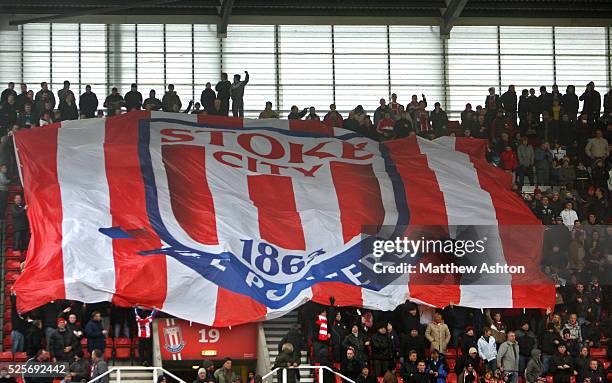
(225, 11)
(89, 12)
(450, 16)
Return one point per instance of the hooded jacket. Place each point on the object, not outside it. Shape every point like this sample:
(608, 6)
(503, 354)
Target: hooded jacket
(534, 367)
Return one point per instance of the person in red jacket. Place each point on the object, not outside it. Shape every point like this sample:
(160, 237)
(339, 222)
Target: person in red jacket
(509, 160)
(386, 126)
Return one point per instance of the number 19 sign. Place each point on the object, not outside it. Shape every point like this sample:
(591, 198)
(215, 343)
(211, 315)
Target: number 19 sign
(203, 342)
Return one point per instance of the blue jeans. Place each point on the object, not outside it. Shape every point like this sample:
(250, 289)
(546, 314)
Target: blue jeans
(18, 341)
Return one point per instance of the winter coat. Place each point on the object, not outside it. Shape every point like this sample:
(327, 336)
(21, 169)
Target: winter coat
(561, 375)
(207, 99)
(597, 148)
(171, 102)
(358, 344)
(438, 335)
(222, 377)
(223, 89)
(527, 341)
(381, 347)
(525, 155)
(487, 348)
(534, 367)
(506, 358)
(133, 100)
(509, 160)
(440, 367)
(95, 337)
(88, 103)
(284, 359)
(58, 341)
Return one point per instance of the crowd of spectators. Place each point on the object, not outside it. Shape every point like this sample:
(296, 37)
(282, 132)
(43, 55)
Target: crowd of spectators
(558, 155)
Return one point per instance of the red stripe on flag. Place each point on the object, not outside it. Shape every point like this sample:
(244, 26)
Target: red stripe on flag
(234, 122)
(359, 199)
(344, 294)
(233, 308)
(473, 147)
(139, 279)
(279, 221)
(310, 126)
(522, 235)
(45, 267)
(190, 196)
(426, 206)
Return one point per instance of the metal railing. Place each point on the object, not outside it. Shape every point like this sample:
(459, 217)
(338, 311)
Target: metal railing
(117, 370)
(305, 367)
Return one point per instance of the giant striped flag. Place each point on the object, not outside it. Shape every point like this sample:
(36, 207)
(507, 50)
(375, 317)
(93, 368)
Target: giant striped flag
(223, 221)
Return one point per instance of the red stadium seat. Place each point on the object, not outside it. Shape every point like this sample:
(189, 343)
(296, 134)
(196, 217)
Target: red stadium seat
(549, 379)
(451, 378)
(11, 277)
(8, 328)
(451, 353)
(598, 353)
(16, 254)
(108, 351)
(7, 343)
(451, 363)
(21, 357)
(123, 349)
(6, 356)
(135, 347)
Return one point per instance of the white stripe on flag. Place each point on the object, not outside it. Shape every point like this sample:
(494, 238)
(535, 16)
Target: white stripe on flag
(468, 204)
(186, 288)
(266, 123)
(89, 276)
(187, 117)
(303, 297)
(389, 297)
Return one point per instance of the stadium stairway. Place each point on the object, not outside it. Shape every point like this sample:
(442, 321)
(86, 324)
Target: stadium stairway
(274, 330)
(138, 376)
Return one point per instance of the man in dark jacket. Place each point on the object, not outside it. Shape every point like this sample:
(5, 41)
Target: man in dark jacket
(207, 99)
(113, 102)
(381, 350)
(88, 103)
(22, 98)
(62, 343)
(79, 369)
(224, 88)
(20, 224)
(133, 99)
(508, 102)
(98, 366)
(18, 325)
(592, 103)
(44, 90)
(491, 105)
(171, 102)
(527, 341)
(571, 103)
(545, 100)
(10, 90)
(410, 366)
(152, 103)
(350, 366)
(8, 113)
(237, 94)
(561, 365)
(470, 357)
(95, 333)
(365, 376)
(550, 340)
(41, 356)
(413, 341)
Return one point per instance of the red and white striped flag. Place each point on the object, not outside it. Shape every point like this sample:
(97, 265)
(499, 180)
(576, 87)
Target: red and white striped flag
(223, 221)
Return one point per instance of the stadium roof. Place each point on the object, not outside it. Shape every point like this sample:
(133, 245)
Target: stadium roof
(445, 12)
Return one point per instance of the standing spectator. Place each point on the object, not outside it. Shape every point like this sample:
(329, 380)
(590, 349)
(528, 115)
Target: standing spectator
(312, 114)
(95, 333)
(561, 365)
(338, 333)
(237, 94)
(527, 342)
(466, 113)
(467, 358)
(22, 98)
(350, 366)
(437, 367)
(595, 373)
(543, 163)
(323, 335)
(21, 227)
(395, 107)
(508, 103)
(386, 126)
(608, 104)
(295, 339)
(508, 356)
(207, 98)
(381, 350)
(409, 367)
(356, 341)
(333, 118)
(10, 90)
(592, 103)
(64, 92)
(79, 369)
(267, 112)
(45, 94)
(18, 327)
(487, 349)
(63, 343)
(88, 103)
(582, 362)
(439, 120)
(40, 357)
(225, 374)
(545, 100)
(171, 102)
(113, 102)
(491, 104)
(422, 118)
(295, 113)
(8, 113)
(283, 360)
(404, 125)
(68, 108)
(133, 99)
(379, 113)
(34, 337)
(98, 366)
(438, 334)
(152, 103)
(535, 369)
(550, 340)
(509, 160)
(571, 103)
(145, 340)
(525, 161)
(573, 327)
(597, 147)
(569, 216)
(223, 89)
